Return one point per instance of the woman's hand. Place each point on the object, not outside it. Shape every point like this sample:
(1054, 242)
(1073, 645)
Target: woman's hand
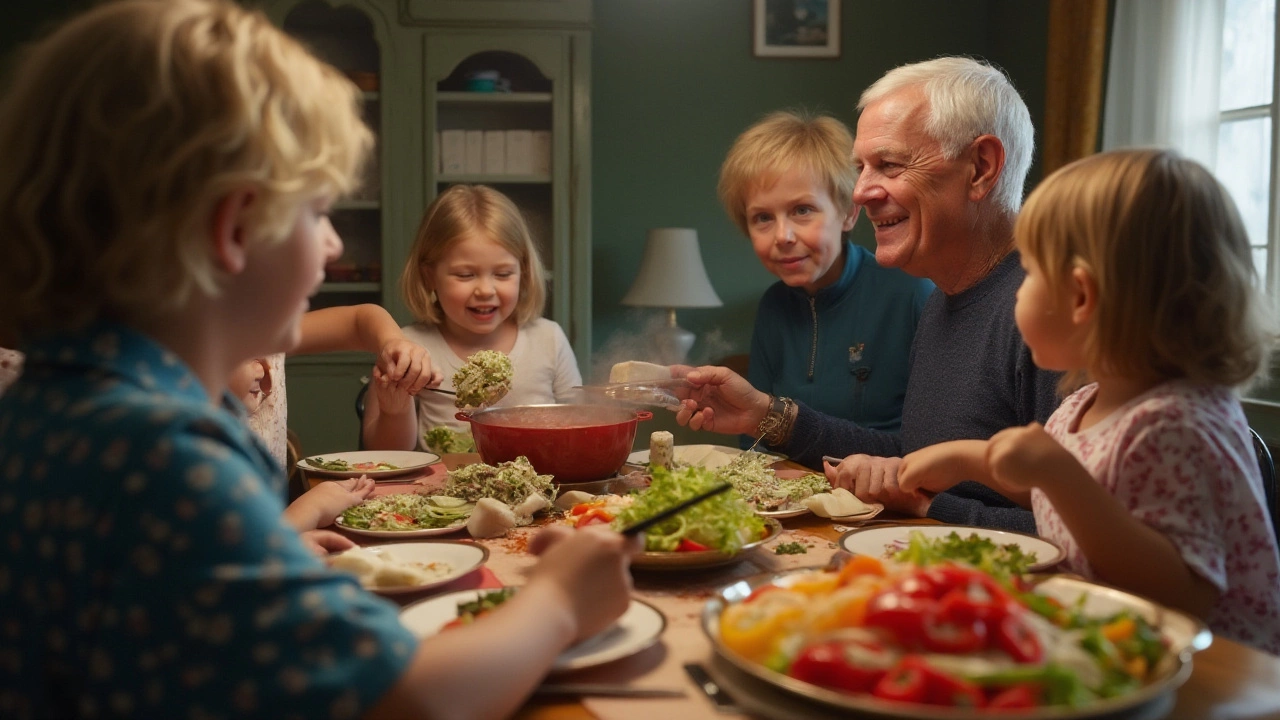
(720, 401)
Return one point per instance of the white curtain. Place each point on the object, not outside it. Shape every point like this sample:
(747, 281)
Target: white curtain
(1162, 82)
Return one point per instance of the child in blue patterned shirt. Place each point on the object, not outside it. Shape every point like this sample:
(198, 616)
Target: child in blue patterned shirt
(168, 169)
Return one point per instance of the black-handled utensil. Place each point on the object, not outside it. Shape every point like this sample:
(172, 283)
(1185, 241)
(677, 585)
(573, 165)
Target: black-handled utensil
(679, 507)
(722, 700)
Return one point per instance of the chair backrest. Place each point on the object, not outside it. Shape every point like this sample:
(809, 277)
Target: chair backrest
(364, 390)
(293, 453)
(1268, 468)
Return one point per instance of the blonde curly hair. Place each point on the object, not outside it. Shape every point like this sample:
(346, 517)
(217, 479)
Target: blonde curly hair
(123, 130)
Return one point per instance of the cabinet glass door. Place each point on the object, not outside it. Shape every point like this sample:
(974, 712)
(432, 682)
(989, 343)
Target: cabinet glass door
(344, 37)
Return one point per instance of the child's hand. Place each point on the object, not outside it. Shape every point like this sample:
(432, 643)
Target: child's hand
(1019, 458)
(319, 506)
(391, 399)
(323, 542)
(938, 467)
(588, 568)
(408, 365)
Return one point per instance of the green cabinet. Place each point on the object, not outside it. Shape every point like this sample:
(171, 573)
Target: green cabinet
(515, 68)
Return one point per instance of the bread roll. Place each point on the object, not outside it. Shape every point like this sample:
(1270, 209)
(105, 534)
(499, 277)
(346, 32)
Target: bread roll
(633, 371)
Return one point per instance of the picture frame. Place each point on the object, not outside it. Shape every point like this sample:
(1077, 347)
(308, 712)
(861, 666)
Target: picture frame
(796, 28)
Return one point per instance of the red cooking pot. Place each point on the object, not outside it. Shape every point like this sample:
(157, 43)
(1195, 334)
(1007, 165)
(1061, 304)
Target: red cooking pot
(574, 443)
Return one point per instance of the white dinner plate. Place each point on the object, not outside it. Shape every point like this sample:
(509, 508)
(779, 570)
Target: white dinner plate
(885, 540)
(402, 534)
(638, 628)
(707, 456)
(406, 461)
(461, 557)
(873, 509)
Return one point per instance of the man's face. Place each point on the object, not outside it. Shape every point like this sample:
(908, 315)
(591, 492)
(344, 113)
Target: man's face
(917, 201)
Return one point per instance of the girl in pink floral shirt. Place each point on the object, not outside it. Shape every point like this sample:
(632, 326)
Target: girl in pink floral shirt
(1140, 283)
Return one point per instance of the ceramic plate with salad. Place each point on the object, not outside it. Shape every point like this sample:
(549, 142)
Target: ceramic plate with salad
(377, 464)
(898, 640)
(713, 532)
(406, 515)
(955, 542)
(639, 627)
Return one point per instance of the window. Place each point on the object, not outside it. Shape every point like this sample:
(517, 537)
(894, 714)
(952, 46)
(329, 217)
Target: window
(1246, 160)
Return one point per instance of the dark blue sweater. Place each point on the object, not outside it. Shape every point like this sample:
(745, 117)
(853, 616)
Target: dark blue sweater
(971, 376)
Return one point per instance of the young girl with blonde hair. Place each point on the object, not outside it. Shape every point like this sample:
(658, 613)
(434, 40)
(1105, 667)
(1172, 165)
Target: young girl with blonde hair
(474, 281)
(1140, 282)
(162, 223)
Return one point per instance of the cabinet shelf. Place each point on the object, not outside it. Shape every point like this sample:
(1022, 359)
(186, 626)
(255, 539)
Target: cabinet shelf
(493, 98)
(350, 287)
(494, 179)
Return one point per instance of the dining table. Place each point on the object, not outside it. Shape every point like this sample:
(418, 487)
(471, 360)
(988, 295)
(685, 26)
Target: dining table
(1229, 680)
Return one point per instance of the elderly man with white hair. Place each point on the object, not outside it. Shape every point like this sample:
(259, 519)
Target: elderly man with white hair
(943, 148)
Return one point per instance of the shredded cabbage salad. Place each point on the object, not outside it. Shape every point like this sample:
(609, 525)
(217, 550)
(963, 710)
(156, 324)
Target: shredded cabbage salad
(1002, 561)
(407, 511)
(511, 482)
(724, 522)
(750, 475)
(483, 379)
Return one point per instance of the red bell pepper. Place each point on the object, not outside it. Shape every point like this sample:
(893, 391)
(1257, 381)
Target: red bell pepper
(902, 616)
(1017, 697)
(945, 689)
(955, 636)
(904, 683)
(1013, 636)
(832, 665)
(687, 545)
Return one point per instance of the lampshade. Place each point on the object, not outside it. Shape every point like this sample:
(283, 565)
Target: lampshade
(671, 273)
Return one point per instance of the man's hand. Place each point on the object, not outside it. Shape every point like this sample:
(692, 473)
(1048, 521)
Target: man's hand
(720, 401)
(875, 479)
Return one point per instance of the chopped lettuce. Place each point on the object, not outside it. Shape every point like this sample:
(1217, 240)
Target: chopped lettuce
(406, 511)
(724, 522)
(999, 560)
(443, 439)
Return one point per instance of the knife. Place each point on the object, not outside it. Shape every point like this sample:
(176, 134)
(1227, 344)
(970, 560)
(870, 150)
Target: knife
(711, 688)
(679, 507)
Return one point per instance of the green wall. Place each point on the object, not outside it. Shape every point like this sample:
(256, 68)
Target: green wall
(674, 82)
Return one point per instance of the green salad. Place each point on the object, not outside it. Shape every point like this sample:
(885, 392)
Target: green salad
(982, 553)
(724, 522)
(511, 482)
(483, 379)
(407, 511)
(443, 439)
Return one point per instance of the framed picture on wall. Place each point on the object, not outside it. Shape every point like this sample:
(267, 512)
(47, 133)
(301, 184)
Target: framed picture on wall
(796, 28)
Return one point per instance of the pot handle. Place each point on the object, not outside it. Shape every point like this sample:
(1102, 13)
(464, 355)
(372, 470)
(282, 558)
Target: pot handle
(463, 416)
(642, 415)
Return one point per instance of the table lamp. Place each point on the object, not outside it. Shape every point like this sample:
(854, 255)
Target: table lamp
(672, 276)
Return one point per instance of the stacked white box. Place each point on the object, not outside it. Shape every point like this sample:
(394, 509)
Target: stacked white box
(519, 152)
(453, 152)
(540, 152)
(475, 152)
(495, 152)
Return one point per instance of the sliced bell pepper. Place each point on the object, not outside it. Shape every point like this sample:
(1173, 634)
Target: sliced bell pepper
(832, 665)
(942, 688)
(597, 515)
(905, 682)
(901, 615)
(1017, 697)
(751, 629)
(687, 545)
(1013, 636)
